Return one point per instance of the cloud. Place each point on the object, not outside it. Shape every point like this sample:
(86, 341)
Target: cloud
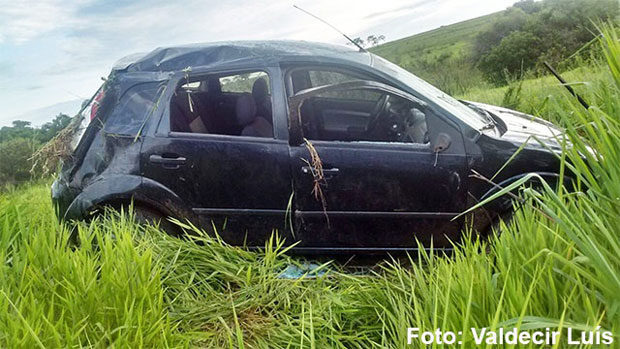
(65, 46)
(400, 10)
(21, 20)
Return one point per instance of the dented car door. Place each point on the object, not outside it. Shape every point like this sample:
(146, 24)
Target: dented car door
(355, 189)
(237, 185)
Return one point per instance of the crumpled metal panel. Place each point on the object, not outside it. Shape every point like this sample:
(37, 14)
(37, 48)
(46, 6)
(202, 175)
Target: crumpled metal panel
(181, 57)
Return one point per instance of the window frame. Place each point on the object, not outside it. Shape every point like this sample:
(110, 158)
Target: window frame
(111, 120)
(295, 102)
(180, 78)
(220, 76)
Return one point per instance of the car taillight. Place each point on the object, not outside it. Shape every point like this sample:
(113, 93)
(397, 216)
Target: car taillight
(95, 107)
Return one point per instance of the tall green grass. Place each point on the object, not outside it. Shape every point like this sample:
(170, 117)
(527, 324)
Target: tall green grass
(554, 266)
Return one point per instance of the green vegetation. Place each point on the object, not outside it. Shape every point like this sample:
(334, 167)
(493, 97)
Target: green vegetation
(19, 142)
(556, 265)
(497, 48)
(535, 94)
(530, 32)
(441, 56)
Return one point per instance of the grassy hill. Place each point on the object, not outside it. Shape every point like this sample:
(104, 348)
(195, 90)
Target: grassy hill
(454, 39)
(441, 56)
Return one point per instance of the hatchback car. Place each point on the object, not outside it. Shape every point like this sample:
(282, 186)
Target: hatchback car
(337, 149)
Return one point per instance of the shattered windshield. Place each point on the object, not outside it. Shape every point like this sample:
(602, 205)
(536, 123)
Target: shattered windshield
(469, 116)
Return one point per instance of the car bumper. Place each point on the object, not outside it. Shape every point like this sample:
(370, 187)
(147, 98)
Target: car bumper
(62, 197)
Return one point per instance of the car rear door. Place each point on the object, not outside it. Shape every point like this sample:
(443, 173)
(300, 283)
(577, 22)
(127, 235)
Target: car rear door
(373, 194)
(239, 185)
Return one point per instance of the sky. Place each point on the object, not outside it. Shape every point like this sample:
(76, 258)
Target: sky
(53, 53)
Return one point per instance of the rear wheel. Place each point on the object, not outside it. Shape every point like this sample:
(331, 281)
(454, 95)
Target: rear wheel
(148, 216)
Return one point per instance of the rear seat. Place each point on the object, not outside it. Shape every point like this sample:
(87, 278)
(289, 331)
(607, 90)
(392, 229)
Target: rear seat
(185, 118)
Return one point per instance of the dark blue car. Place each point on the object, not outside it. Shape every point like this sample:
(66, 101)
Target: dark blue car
(337, 149)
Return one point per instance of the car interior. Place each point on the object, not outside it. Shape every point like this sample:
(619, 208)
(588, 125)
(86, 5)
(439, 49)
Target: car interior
(356, 115)
(236, 105)
(240, 105)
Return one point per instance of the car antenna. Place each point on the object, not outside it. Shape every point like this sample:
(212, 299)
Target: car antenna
(331, 26)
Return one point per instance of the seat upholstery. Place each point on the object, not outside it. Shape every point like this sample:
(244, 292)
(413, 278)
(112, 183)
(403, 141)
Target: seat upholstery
(260, 92)
(253, 125)
(182, 115)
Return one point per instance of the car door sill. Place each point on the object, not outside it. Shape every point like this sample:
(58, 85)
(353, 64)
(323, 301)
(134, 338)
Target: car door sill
(311, 214)
(376, 214)
(357, 250)
(238, 212)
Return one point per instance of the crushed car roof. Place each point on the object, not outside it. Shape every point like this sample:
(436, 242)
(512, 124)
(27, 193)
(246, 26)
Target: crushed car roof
(181, 57)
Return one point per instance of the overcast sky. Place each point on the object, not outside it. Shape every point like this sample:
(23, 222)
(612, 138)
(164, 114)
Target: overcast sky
(54, 51)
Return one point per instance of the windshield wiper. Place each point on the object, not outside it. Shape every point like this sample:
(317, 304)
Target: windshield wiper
(490, 121)
(488, 126)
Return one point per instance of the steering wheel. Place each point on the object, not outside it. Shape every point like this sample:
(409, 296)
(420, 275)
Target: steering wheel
(377, 111)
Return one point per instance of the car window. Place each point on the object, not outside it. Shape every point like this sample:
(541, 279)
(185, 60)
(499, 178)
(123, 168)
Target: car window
(321, 77)
(326, 77)
(134, 107)
(387, 118)
(241, 82)
(234, 104)
(445, 101)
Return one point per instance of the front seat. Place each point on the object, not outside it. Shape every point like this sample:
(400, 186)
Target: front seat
(260, 92)
(253, 125)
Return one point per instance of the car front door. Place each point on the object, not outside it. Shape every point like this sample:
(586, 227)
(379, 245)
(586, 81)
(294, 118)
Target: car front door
(236, 183)
(372, 174)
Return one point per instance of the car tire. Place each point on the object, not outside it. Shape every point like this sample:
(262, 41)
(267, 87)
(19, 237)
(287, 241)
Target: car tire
(495, 228)
(148, 216)
(510, 207)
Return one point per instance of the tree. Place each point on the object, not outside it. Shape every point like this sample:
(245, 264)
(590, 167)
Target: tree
(23, 129)
(19, 141)
(512, 20)
(20, 129)
(371, 41)
(50, 129)
(514, 54)
(14, 160)
(553, 29)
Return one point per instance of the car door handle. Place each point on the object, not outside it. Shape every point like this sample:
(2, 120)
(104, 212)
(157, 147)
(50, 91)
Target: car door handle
(327, 172)
(168, 160)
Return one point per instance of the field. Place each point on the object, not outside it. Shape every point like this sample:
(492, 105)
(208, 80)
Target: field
(441, 56)
(453, 40)
(557, 264)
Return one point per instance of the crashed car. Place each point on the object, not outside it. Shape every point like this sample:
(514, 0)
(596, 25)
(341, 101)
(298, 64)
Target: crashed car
(337, 149)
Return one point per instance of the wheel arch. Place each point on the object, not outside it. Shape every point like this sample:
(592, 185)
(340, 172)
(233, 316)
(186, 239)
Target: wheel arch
(126, 189)
(499, 205)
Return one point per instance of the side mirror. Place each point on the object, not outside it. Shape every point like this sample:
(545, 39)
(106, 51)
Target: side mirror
(442, 142)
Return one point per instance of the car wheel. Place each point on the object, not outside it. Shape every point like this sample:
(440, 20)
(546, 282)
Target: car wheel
(495, 228)
(148, 216)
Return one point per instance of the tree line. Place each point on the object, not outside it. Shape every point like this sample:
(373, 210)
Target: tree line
(19, 141)
(510, 45)
(531, 32)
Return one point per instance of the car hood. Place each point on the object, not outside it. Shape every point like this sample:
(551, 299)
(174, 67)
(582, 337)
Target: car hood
(520, 126)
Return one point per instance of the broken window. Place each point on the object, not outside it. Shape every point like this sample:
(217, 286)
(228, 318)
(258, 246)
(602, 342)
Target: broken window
(357, 111)
(236, 104)
(135, 106)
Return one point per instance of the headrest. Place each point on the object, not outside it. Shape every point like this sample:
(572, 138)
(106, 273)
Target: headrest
(260, 90)
(214, 85)
(246, 109)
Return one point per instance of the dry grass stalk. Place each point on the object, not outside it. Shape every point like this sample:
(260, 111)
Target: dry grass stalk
(47, 159)
(59, 149)
(316, 167)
